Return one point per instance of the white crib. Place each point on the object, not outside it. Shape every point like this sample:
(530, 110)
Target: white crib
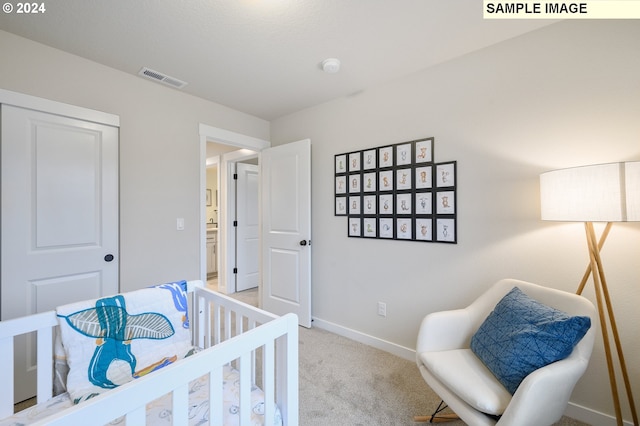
(262, 347)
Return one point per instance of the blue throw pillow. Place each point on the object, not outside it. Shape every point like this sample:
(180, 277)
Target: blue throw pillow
(522, 335)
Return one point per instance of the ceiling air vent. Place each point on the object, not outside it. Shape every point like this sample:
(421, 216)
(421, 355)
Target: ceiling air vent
(161, 78)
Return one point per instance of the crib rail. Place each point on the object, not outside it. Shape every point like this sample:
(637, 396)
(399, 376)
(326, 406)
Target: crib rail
(130, 399)
(43, 324)
(222, 318)
(261, 346)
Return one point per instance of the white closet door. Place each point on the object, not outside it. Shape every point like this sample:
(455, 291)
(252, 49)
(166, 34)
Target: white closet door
(59, 218)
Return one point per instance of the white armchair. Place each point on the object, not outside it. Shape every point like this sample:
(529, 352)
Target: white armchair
(468, 387)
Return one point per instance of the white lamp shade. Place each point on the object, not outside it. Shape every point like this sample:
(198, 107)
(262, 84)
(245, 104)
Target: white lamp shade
(598, 193)
(632, 183)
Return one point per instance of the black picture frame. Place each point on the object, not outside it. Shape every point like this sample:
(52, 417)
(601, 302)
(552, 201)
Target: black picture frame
(341, 205)
(423, 151)
(445, 202)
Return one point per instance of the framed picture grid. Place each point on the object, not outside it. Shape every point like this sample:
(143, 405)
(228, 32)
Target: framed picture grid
(397, 192)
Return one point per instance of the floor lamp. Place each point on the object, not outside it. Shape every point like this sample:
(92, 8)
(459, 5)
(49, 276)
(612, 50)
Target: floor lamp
(599, 193)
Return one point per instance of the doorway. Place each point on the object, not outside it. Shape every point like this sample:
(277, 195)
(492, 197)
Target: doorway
(222, 150)
(231, 210)
(212, 219)
(285, 181)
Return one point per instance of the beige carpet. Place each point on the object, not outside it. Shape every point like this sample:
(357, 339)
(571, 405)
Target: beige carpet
(343, 382)
(346, 383)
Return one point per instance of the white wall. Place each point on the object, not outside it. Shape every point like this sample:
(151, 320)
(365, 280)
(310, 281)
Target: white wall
(563, 96)
(159, 151)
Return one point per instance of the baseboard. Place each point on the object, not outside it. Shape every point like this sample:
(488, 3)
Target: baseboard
(592, 417)
(393, 348)
(574, 411)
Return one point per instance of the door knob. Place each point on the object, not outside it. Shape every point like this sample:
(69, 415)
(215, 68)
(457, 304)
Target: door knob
(108, 258)
(303, 242)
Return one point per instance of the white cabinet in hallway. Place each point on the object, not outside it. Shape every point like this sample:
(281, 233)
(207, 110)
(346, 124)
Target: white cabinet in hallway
(212, 250)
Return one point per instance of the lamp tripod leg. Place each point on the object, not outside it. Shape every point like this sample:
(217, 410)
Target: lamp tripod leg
(616, 339)
(587, 272)
(602, 291)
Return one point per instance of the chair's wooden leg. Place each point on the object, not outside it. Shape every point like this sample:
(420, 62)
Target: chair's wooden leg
(436, 418)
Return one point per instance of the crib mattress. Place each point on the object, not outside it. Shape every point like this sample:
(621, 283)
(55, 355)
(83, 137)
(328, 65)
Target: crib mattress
(159, 411)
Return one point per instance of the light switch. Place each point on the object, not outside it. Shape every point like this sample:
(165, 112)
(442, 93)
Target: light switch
(180, 224)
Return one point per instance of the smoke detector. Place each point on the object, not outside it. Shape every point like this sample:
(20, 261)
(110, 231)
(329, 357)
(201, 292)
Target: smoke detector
(162, 78)
(331, 65)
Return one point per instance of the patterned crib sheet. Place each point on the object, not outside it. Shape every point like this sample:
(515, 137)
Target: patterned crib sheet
(159, 411)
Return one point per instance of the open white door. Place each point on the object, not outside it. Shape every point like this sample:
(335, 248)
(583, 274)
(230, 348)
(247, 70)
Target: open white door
(247, 232)
(286, 229)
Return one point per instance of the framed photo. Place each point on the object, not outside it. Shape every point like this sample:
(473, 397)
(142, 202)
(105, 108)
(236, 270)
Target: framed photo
(445, 174)
(341, 184)
(404, 203)
(424, 177)
(369, 204)
(385, 204)
(404, 231)
(445, 202)
(209, 198)
(354, 161)
(424, 151)
(446, 230)
(370, 227)
(341, 163)
(403, 154)
(423, 203)
(354, 205)
(385, 157)
(354, 183)
(403, 179)
(386, 227)
(386, 180)
(424, 229)
(369, 159)
(369, 182)
(341, 206)
(354, 227)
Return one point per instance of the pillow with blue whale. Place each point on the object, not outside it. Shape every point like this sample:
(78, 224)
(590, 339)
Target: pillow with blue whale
(110, 341)
(521, 335)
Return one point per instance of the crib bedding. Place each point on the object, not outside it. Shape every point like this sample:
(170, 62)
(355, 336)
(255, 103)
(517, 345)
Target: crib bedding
(110, 341)
(159, 411)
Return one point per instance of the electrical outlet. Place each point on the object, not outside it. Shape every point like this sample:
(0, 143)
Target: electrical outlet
(180, 224)
(382, 309)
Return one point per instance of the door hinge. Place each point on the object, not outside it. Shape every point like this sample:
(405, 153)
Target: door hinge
(235, 270)
(235, 176)
(235, 223)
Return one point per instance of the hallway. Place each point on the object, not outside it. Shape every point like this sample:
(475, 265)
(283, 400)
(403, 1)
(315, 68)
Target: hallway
(250, 297)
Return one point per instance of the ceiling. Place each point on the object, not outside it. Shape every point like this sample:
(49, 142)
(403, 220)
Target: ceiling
(263, 57)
